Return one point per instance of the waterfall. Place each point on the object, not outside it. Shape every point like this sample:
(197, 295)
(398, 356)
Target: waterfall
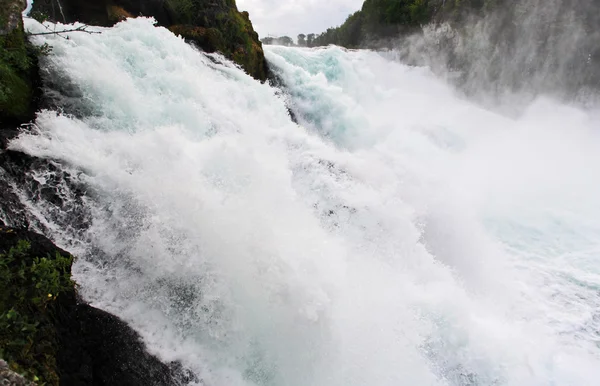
(397, 234)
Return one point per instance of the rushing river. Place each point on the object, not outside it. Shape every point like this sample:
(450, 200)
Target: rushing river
(398, 234)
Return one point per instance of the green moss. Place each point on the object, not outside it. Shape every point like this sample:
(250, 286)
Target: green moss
(31, 285)
(219, 26)
(182, 10)
(16, 90)
(245, 47)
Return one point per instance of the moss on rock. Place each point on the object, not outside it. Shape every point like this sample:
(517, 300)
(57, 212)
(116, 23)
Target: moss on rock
(209, 39)
(52, 337)
(32, 280)
(17, 65)
(218, 26)
(215, 26)
(230, 33)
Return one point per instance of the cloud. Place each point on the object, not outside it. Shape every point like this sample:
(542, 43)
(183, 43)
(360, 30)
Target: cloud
(292, 17)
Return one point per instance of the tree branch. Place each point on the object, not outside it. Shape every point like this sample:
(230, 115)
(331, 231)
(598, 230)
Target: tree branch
(78, 29)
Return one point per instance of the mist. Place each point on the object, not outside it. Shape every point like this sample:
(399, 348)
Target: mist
(512, 51)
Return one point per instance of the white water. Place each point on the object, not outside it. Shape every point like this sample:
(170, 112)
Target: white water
(399, 236)
(28, 8)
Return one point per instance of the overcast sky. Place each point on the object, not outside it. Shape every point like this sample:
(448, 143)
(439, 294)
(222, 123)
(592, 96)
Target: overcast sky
(292, 17)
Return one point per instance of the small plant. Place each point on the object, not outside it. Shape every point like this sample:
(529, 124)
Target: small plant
(31, 285)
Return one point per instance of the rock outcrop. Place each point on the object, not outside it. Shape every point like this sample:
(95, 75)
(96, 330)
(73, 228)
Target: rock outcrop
(52, 337)
(214, 26)
(18, 67)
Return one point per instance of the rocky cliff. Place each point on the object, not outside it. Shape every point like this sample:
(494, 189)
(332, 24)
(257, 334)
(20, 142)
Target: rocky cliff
(214, 26)
(18, 68)
(51, 337)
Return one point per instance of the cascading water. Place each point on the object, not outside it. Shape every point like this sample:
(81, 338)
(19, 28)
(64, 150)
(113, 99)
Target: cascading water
(399, 235)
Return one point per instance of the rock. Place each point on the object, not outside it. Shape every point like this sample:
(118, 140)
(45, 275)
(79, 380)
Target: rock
(11, 210)
(18, 67)
(10, 378)
(73, 342)
(41, 183)
(11, 17)
(97, 348)
(117, 14)
(215, 26)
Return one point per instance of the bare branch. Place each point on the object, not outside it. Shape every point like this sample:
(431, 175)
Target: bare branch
(78, 29)
(52, 31)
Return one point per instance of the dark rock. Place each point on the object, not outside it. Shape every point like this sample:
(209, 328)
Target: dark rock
(44, 184)
(61, 192)
(276, 82)
(97, 348)
(19, 79)
(93, 346)
(40, 245)
(6, 134)
(12, 212)
(102, 12)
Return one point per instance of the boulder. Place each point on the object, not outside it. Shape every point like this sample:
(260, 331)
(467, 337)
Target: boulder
(51, 336)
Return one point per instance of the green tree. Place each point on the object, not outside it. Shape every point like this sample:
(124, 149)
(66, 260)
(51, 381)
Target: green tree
(302, 40)
(286, 41)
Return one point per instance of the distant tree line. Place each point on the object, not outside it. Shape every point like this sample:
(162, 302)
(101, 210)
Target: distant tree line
(383, 18)
(278, 41)
(303, 40)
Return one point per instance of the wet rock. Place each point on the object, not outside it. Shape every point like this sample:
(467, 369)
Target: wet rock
(18, 67)
(10, 378)
(215, 26)
(12, 15)
(34, 182)
(80, 344)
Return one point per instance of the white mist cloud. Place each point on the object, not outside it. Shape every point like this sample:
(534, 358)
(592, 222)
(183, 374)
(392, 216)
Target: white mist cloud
(292, 17)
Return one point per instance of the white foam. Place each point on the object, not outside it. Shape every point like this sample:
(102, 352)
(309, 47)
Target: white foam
(401, 235)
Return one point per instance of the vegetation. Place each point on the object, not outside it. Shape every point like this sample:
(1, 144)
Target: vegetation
(52, 337)
(214, 26)
(221, 29)
(31, 285)
(16, 64)
(385, 18)
(302, 40)
(280, 41)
